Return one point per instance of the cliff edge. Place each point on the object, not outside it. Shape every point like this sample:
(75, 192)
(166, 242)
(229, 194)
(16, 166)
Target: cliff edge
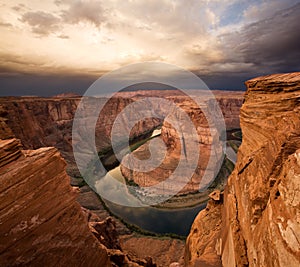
(41, 224)
(256, 221)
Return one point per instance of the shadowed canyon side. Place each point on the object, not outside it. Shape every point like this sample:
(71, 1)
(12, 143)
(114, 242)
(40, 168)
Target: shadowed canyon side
(256, 221)
(40, 122)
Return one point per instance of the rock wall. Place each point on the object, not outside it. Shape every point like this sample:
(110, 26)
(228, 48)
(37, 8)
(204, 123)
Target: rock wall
(40, 122)
(41, 224)
(260, 218)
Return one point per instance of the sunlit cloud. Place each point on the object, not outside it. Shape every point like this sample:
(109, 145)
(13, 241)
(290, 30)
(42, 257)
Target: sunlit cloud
(92, 37)
(42, 23)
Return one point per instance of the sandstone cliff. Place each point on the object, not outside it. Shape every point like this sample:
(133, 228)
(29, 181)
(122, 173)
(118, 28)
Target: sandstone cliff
(258, 223)
(41, 222)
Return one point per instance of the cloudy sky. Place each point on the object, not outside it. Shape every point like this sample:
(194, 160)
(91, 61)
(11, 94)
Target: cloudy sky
(48, 47)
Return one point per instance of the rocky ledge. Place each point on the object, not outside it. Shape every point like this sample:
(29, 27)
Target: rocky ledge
(41, 222)
(257, 222)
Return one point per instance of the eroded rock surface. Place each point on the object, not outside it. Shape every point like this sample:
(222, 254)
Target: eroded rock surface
(165, 251)
(41, 224)
(203, 238)
(260, 218)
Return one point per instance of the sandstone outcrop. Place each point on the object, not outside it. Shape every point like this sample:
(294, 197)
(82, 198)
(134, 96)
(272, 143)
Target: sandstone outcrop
(259, 222)
(165, 251)
(106, 232)
(201, 243)
(41, 222)
(205, 136)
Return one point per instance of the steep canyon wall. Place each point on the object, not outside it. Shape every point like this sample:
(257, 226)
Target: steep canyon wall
(256, 222)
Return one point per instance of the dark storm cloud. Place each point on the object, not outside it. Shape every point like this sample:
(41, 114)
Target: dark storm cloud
(187, 34)
(43, 85)
(14, 84)
(42, 23)
(271, 45)
(17, 64)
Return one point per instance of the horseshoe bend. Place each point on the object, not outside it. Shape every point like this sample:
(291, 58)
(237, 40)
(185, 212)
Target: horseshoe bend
(51, 215)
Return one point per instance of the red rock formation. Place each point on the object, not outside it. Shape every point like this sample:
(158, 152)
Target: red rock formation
(201, 243)
(41, 224)
(260, 214)
(40, 122)
(165, 251)
(229, 104)
(106, 233)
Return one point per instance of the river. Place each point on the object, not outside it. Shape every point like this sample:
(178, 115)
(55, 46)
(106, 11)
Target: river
(162, 221)
(176, 221)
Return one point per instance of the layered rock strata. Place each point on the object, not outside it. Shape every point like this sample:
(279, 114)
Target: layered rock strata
(41, 222)
(45, 122)
(260, 219)
(40, 122)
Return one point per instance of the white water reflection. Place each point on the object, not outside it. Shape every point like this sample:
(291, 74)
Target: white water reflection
(156, 132)
(116, 186)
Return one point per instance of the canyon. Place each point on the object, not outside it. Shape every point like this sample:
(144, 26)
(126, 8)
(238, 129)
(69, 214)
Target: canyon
(42, 122)
(256, 220)
(253, 222)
